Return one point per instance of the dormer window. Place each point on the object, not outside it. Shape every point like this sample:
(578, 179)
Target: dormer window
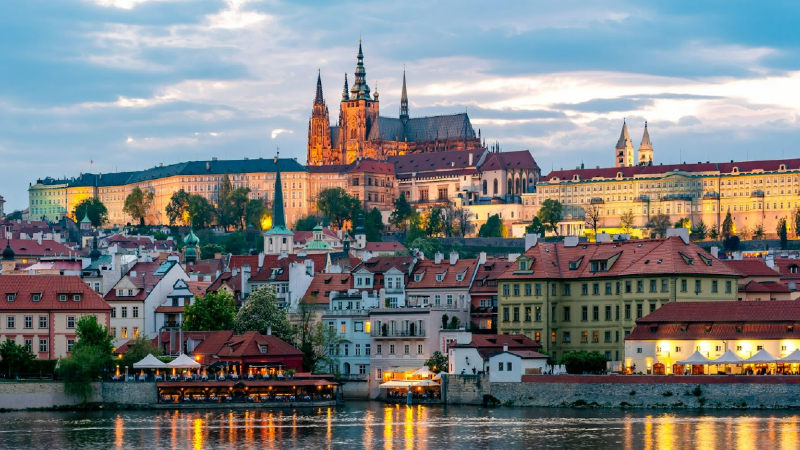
(10, 297)
(460, 277)
(36, 297)
(62, 297)
(439, 276)
(793, 268)
(76, 298)
(417, 277)
(599, 266)
(262, 348)
(523, 265)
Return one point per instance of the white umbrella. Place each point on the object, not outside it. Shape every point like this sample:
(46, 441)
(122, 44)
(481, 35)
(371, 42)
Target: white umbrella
(150, 362)
(422, 372)
(425, 383)
(183, 362)
(728, 358)
(697, 358)
(762, 357)
(791, 358)
(438, 376)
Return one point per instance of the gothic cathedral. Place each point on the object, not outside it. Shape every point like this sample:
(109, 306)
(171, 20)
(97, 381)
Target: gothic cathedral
(362, 133)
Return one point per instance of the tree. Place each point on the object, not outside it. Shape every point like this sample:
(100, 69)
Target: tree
(579, 362)
(15, 215)
(535, 227)
(437, 362)
(338, 206)
(448, 220)
(91, 354)
(315, 339)
(700, 231)
(90, 333)
(550, 214)
(236, 244)
(493, 227)
(16, 358)
(373, 224)
(658, 225)
(593, 216)
(97, 212)
(434, 223)
(728, 227)
(207, 251)
(462, 222)
(713, 232)
(759, 232)
(176, 208)
(416, 228)
(138, 349)
(626, 221)
(306, 223)
(138, 203)
(238, 202)
(402, 212)
(428, 246)
(731, 243)
(199, 212)
(261, 313)
(223, 209)
(209, 313)
(782, 232)
(684, 223)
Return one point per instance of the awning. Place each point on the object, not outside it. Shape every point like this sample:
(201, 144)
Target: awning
(150, 362)
(697, 358)
(728, 358)
(396, 384)
(422, 372)
(425, 383)
(438, 376)
(401, 369)
(762, 357)
(791, 358)
(183, 362)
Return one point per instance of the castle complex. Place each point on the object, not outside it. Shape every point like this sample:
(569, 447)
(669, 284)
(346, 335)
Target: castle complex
(362, 132)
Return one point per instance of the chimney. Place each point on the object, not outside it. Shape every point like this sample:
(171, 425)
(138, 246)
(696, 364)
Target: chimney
(531, 240)
(260, 260)
(269, 329)
(571, 241)
(453, 258)
(437, 258)
(234, 272)
(245, 279)
(715, 252)
(481, 258)
(505, 347)
(470, 159)
(133, 274)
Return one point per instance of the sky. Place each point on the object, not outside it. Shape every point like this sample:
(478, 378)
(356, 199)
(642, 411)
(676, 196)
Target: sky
(118, 85)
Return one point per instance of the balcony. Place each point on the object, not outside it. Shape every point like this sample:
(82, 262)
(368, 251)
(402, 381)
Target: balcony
(757, 194)
(397, 334)
(346, 312)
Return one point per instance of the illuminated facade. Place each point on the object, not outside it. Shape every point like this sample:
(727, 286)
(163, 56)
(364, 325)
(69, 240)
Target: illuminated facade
(586, 296)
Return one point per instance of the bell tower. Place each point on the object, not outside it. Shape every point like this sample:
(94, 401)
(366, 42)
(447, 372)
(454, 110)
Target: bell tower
(319, 130)
(623, 153)
(359, 113)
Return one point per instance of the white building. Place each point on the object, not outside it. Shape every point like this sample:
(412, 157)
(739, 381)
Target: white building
(470, 353)
(509, 366)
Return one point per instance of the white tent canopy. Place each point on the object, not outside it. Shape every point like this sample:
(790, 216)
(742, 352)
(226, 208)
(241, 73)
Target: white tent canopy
(728, 358)
(697, 358)
(425, 383)
(438, 376)
(762, 357)
(150, 362)
(791, 358)
(422, 372)
(395, 384)
(183, 362)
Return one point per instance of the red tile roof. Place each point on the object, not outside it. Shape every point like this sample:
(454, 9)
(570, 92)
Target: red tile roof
(751, 267)
(635, 257)
(427, 164)
(429, 270)
(144, 280)
(31, 248)
(521, 159)
(49, 287)
(789, 268)
(248, 345)
(300, 237)
(382, 264)
(489, 345)
(489, 272)
(323, 284)
(755, 286)
(376, 247)
(237, 261)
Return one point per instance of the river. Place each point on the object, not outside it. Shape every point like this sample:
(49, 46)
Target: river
(371, 425)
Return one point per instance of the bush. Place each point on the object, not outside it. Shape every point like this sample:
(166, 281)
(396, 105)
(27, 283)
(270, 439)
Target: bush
(697, 391)
(578, 362)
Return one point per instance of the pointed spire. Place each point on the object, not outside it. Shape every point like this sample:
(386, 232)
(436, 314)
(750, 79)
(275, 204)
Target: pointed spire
(278, 216)
(8, 253)
(360, 89)
(95, 254)
(646, 144)
(624, 137)
(345, 92)
(404, 100)
(318, 99)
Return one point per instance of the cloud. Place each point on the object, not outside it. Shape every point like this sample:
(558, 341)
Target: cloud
(278, 131)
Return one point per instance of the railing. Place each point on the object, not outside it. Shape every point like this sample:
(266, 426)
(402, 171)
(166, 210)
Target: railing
(346, 312)
(397, 333)
(642, 198)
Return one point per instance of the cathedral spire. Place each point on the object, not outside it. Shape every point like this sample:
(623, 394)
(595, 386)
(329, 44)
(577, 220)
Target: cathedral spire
(646, 149)
(318, 99)
(404, 100)
(345, 93)
(646, 144)
(624, 151)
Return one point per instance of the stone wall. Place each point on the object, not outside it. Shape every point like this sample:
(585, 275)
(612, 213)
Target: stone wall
(355, 389)
(130, 393)
(465, 389)
(624, 391)
(24, 395)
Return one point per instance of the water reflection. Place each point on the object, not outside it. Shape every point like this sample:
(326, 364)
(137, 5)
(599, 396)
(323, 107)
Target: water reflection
(376, 426)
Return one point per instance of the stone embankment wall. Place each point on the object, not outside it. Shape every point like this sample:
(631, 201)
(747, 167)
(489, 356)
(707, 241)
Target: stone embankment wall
(25, 395)
(355, 389)
(629, 391)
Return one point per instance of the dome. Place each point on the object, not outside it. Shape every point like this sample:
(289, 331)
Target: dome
(8, 253)
(191, 239)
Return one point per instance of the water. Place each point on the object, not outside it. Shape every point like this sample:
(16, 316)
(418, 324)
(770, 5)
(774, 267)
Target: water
(378, 426)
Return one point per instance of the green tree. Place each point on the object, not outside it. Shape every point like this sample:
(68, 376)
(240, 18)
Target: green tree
(15, 358)
(255, 210)
(579, 362)
(223, 211)
(536, 227)
(176, 208)
(207, 251)
(261, 313)
(428, 246)
(658, 225)
(138, 203)
(700, 231)
(758, 232)
(713, 232)
(97, 211)
(373, 224)
(796, 216)
(462, 222)
(731, 243)
(199, 212)
(493, 227)
(728, 227)
(236, 244)
(138, 349)
(306, 223)
(550, 214)
(434, 222)
(209, 313)
(402, 212)
(684, 223)
(416, 228)
(91, 354)
(437, 362)
(782, 233)
(15, 215)
(90, 333)
(316, 340)
(338, 206)
(626, 221)
(239, 201)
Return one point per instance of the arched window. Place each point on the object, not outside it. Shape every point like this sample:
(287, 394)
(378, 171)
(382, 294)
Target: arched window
(510, 187)
(485, 187)
(494, 186)
(517, 186)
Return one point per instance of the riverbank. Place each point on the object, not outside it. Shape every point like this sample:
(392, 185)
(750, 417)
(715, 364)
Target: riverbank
(610, 391)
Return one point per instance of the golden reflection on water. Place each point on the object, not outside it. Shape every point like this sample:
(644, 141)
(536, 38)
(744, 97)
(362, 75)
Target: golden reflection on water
(422, 430)
(789, 433)
(745, 435)
(248, 427)
(665, 434)
(388, 432)
(409, 428)
(329, 422)
(648, 433)
(705, 434)
(198, 439)
(174, 427)
(119, 432)
(369, 420)
(628, 433)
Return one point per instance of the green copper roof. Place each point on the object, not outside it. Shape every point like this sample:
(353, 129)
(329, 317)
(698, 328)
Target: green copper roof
(317, 245)
(278, 216)
(191, 239)
(86, 217)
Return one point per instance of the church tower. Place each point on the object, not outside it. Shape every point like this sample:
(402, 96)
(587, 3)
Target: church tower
(646, 149)
(319, 131)
(278, 239)
(624, 156)
(404, 101)
(359, 113)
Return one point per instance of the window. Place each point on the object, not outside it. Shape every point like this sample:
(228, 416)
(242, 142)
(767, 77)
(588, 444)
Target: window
(584, 313)
(113, 313)
(391, 349)
(608, 288)
(437, 299)
(738, 348)
(566, 314)
(505, 290)
(28, 322)
(728, 287)
(70, 321)
(36, 297)
(528, 289)
(628, 287)
(639, 310)
(538, 289)
(628, 311)
(508, 366)
(42, 321)
(608, 312)
(566, 289)
(683, 285)
(439, 276)
(585, 337)
(639, 285)
(505, 315)
(638, 349)
(537, 336)
(553, 289)
(538, 313)
(378, 349)
(367, 326)
(652, 307)
(596, 289)
(379, 374)
(595, 313)
(29, 344)
(11, 322)
(449, 299)
(516, 314)
(123, 311)
(419, 349)
(343, 327)
(714, 286)
(366, 350)
(595, 337)
(358, 326)
(584, 289)
(516, 290)
(607, 336)
(553, 336)
(664, 285)
(406, 349)
(652, 285)
(135, 332)
(42, 345)
(759, 348)
(677, 349)
(501, 366)
(10, 297)
(528, 314)
(76, 298)
(697, 286)
(567, 337)
(123, 333)
(135, 311)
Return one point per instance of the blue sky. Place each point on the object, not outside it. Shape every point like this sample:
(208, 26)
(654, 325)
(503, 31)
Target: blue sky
(129, 84)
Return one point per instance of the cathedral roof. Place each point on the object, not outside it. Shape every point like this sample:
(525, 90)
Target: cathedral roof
(453, 126)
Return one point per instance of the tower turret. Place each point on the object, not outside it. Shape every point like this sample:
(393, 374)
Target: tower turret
(319, 130)
(404, 101)
(624, 152)
(278, 239)
(646, 149)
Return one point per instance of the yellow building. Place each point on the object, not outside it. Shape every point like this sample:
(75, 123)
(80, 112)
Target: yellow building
(587, 296)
